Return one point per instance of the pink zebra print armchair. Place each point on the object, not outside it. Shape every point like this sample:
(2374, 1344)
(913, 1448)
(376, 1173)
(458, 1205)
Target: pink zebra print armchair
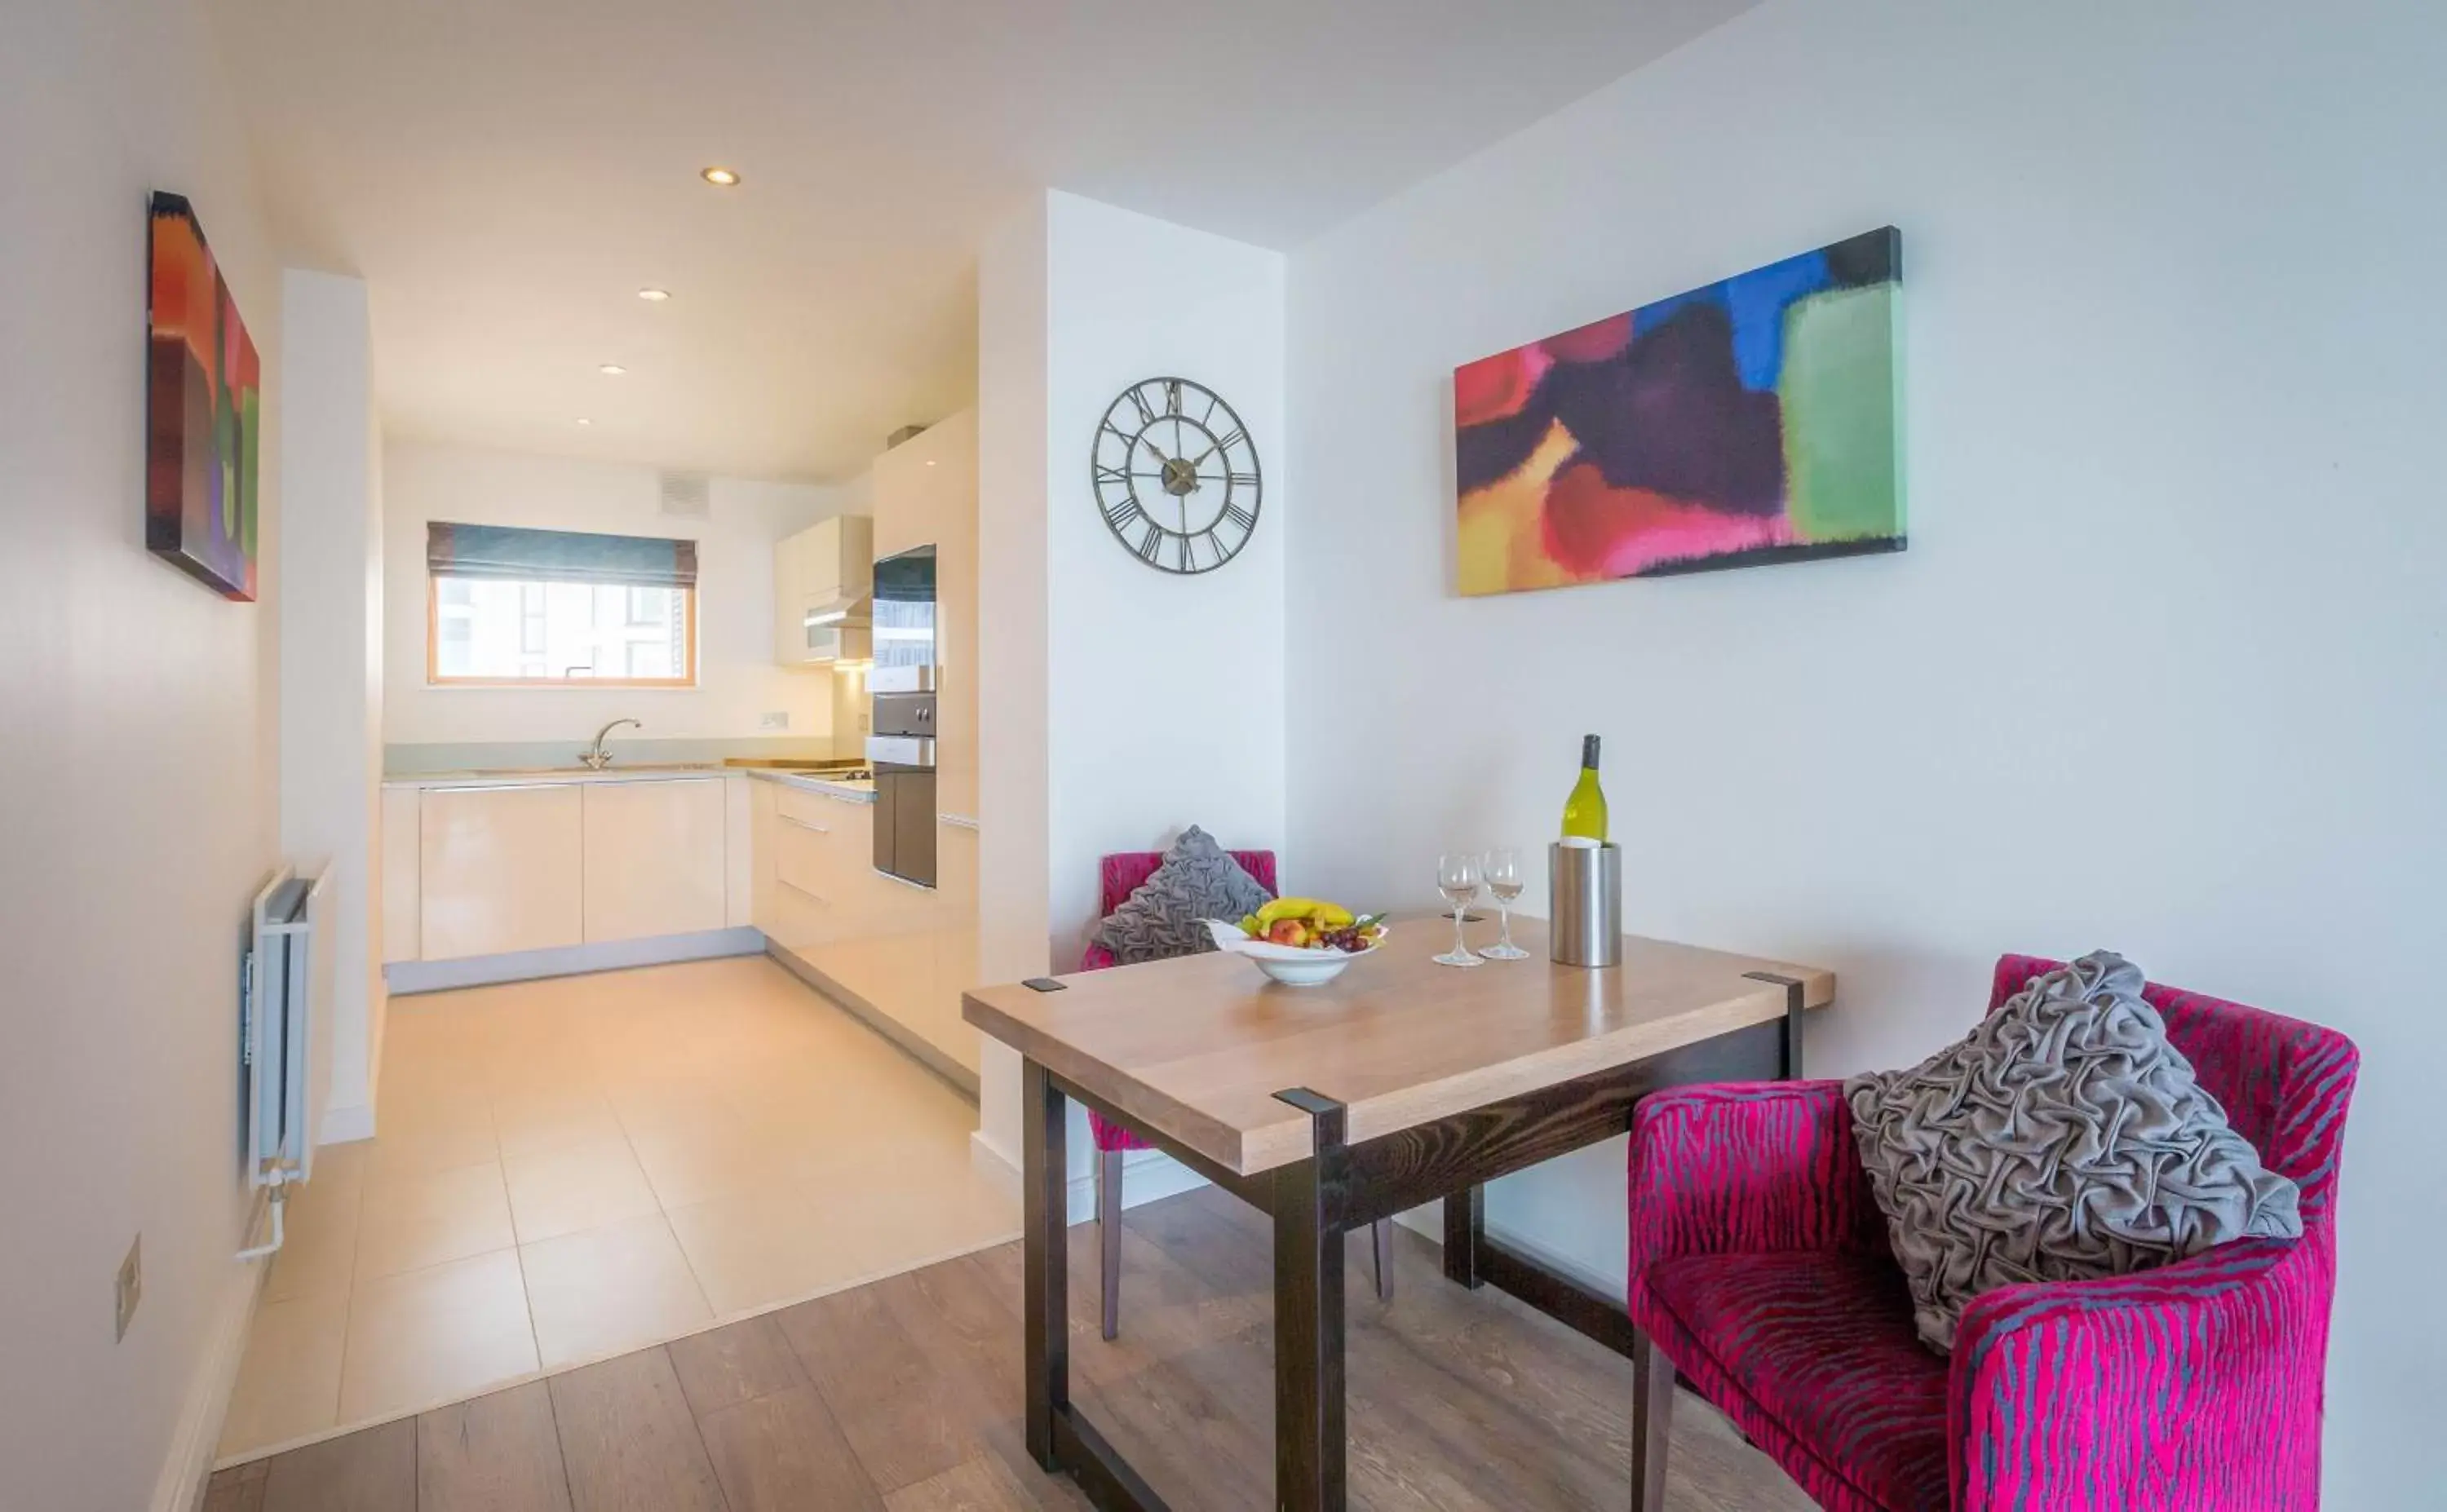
(1759, 1269)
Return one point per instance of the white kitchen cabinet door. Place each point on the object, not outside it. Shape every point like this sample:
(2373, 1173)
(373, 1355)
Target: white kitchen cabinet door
(402, 846)
(499, 870)
(655, 858)
(763, 822)
(790, 600)
(739, 851)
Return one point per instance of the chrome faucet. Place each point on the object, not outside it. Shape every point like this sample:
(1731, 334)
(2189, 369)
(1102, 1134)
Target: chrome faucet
(596, 758)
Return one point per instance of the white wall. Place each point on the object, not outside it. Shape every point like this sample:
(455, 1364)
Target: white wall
(1165, 693)
(738, 680)
(1014, 917)
(1160, 702)
(2162, 670)
(137, 778)
(331, 656)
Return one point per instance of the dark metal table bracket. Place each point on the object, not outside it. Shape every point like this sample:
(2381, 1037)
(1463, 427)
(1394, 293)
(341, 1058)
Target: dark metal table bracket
(1793, 1011)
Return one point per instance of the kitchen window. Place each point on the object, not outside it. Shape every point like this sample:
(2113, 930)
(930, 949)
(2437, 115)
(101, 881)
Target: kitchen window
(508, 608)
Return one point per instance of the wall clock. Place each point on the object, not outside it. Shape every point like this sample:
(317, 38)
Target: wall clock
(1176, 475)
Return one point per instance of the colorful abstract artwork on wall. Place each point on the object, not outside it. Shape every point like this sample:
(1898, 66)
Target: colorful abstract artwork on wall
(1757, 420)
(203, 411)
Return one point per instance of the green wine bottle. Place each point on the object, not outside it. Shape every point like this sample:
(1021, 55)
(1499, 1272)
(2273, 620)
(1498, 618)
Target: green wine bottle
(1584, 812)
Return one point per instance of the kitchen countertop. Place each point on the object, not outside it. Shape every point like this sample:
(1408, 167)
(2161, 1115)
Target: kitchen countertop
(621, 771)
(522, 776)
(859, 791)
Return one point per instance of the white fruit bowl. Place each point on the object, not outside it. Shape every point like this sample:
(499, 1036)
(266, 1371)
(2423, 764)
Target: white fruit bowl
(1292, 965)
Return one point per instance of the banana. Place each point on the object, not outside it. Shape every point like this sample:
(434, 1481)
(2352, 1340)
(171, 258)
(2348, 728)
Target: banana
(1282, 908)
(1332, 916)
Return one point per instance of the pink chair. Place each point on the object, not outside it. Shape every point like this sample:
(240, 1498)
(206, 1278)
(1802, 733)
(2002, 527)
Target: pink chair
(1759, 1267)
(1125, 873)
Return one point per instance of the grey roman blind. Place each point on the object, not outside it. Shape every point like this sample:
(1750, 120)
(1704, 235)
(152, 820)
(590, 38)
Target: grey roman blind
(558, 555)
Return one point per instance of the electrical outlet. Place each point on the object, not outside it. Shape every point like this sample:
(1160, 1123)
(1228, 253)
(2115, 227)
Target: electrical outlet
(777, 719)
(131, 1285)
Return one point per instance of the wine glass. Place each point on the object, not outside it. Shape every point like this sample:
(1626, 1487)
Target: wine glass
(1502, 871)
(1458, 878)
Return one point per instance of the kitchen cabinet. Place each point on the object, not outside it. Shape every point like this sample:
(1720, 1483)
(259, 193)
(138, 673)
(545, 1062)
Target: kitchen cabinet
(738, 853)
(764, 818)
(401, 858)
(500, 869)
(654, 858)
(829, 565)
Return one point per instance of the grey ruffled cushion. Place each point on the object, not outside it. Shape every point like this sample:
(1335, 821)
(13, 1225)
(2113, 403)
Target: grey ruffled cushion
(2063, 1138)
(1167, 917)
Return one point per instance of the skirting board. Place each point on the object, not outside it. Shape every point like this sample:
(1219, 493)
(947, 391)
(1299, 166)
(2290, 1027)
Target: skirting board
(1147, 1176)
(189, 1465)
(877, 1019)
(521, 966)
(1429, 1221)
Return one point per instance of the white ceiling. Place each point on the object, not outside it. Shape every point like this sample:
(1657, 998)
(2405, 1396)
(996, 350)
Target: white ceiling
(507, 173)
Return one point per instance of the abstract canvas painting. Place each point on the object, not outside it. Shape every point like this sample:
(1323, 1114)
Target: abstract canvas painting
(1756, 420)
(203, 411)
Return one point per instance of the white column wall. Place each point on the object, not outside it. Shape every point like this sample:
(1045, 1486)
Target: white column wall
(1162, 699)
(331, 658)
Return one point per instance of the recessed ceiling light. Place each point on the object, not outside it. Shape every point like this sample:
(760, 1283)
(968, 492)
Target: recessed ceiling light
(930, 461)
(719, 177)
(611, 370)
(583, 420)
(654, 296)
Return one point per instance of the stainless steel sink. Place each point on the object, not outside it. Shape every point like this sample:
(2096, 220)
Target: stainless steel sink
(576, 770)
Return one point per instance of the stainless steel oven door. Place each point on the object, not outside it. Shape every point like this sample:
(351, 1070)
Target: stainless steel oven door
(901, 750)
(904, 822)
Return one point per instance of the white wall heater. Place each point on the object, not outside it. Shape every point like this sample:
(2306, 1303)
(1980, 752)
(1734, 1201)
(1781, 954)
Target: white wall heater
(287, 996)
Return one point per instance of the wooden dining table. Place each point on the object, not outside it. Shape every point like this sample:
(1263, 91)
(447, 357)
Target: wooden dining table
(1331, 1106)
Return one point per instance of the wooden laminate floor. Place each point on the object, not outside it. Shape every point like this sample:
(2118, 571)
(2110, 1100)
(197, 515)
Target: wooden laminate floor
(905, 1394)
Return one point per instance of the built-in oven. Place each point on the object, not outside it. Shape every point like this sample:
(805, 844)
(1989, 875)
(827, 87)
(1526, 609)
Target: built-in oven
(900, 745)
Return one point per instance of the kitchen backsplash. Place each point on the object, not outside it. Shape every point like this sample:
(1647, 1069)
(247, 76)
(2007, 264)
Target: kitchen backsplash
(459, 756)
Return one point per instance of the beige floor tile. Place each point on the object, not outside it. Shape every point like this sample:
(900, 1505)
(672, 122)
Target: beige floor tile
(760, 1247)
(650, 1104)
(794, 1149)
(917, 1141)
(439, 1335)
(319, 1250)
(403, 1154)
(922, 1204)
(524, 1074)
(462, 1103)
(610, 1289)
(409, 1223)
(288, 1384)
(531, 1120)
(577, 1187)
(691, 1164)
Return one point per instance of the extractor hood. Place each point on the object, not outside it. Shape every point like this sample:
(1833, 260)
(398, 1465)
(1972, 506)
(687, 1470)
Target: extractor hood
(841, 611)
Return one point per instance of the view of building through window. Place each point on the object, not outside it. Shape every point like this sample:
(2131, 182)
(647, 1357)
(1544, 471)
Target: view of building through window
(496, 630)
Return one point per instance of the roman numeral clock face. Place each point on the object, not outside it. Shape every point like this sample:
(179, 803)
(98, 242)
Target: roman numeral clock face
(1176, 476)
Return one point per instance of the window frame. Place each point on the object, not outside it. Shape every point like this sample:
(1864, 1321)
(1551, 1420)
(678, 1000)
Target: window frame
(435, 678)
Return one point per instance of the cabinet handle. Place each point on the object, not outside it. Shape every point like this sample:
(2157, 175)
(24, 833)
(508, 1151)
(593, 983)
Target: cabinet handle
(804, 824)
